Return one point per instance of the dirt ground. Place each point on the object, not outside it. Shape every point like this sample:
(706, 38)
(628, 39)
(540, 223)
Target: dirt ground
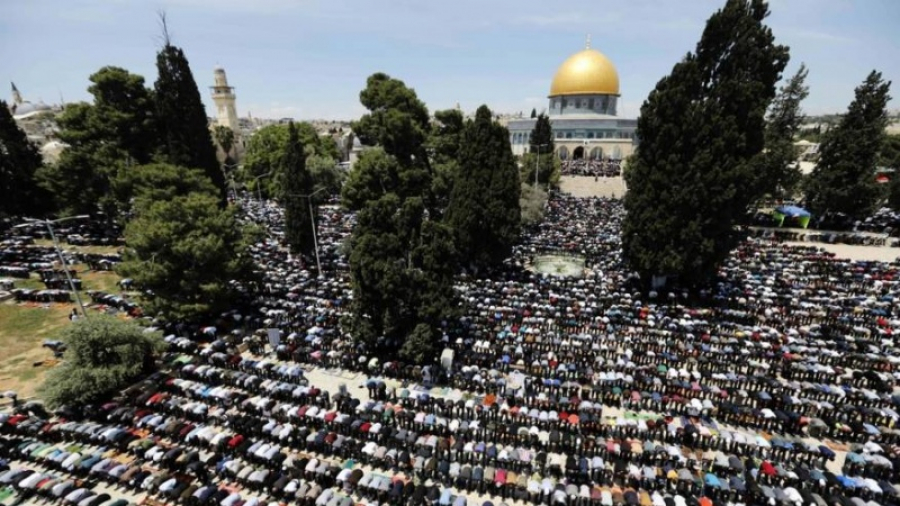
(585, 186)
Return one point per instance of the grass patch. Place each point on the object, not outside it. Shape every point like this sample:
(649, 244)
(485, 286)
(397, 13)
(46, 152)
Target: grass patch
(24, 327)
(101, 250)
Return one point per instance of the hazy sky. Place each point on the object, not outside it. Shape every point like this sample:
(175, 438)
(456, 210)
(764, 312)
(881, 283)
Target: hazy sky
(310, 58)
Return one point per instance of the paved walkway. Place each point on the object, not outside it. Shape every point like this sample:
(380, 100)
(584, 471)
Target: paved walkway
(586, 186)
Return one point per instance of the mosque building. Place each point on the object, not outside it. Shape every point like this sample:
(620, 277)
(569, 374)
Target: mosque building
(584, 97)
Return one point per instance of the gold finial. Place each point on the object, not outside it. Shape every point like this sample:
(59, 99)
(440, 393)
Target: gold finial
(587, 43)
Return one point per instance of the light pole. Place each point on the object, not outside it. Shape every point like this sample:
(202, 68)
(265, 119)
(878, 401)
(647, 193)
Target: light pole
(49, 224)
(312, 222)
(537, 161)
(256, 183)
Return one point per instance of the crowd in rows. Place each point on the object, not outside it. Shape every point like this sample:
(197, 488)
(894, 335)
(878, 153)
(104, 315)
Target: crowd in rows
(595, 168)
(570, 391)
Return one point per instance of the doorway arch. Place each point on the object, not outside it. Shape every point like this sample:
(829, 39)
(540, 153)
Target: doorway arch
(578, 153)
(596, 153)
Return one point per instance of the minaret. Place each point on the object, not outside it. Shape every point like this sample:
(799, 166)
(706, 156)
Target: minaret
(16, 96)
(223, 96)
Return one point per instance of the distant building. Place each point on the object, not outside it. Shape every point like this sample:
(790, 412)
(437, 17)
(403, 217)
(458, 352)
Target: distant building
(22, 109)
(583, 108)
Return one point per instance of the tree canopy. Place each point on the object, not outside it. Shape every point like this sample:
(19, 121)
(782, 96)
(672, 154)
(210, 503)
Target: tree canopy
(844, 178)
(187, 253)
(266, 150)
(702, 130)
(141, 186)
(116, 131)
(104, 354)
(484, 208)
(181, 118)
(541, 155)
(296, 183)
(781, 173)
(401, 257)
(19, 163)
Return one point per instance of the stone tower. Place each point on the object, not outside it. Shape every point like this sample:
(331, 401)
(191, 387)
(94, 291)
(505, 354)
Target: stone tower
(224, 97)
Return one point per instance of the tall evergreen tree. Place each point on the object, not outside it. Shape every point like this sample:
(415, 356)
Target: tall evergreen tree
(533, 112)
(443, 147)
(780, 173)
(19, 162)
(542, 159)
(484, 208)
(401, 258)
(296, 183)
(702, 130)
(181, 117)
(844, 179)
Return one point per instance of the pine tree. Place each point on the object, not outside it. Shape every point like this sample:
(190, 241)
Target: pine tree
(534, 113)
(542, 158)
(402, 256)
(844, 179)
(702, 131)
(780, 173)
(19, 161)
(484, 208)
(297, 184)
(181, 117)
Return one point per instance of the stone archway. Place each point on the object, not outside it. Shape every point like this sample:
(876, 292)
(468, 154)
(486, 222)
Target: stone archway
(563, 153)
(597, 154)
(578, 153)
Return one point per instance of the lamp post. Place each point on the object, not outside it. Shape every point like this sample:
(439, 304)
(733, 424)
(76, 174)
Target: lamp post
(312, 222)
(49, 224)
(256, 183)
(537, 161)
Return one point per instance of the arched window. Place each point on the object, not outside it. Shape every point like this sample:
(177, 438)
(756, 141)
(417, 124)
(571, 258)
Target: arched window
(568, 135)
(590, 135)
(564, 103)
(591, 103)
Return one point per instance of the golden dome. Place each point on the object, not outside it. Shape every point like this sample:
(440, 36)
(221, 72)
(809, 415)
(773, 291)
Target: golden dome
(585, 72)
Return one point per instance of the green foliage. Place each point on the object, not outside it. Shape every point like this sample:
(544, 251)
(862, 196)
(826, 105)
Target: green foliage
(145, 184)
(266, 150)
(296, 183)
(844, 178)
(533, 112)
(326, 175)
(444, 145)
(401, 257)
(181, 118)
(541, 138)
(548, 165)
(186, 252)
(702, 130)
(532, 201)
(19, 163)
(780, 174)
(890, 152)
(420, 347)
(224, 138)
(115, 132)
(484, 208)
(397, 120)
(104, 355)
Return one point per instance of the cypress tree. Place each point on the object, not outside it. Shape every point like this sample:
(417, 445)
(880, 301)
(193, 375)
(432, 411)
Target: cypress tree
(781, 175)
(181, 117)
(702, 131)
(541, 157)
(19, 160)
(533, 112)
(296, 183)
(484, 208)
(844, 179)
(541, 138)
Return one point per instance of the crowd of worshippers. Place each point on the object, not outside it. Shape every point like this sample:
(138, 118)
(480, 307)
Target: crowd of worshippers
(567, 391)
(594, 168)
